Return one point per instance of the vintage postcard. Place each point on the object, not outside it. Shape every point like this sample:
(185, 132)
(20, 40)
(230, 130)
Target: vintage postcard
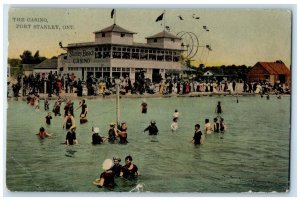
(161, 100)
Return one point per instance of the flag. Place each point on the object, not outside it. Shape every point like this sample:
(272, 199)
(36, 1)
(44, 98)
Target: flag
(112, 13)
(159, 18)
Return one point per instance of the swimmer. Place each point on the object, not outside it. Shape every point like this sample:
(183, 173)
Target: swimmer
(84, 109)
(69, 121)
(129, 170)
(144, 107)
(96, 138)
(112, 132)
(107, 178)
(71, 136)
(122, 134)
(48, 118)
(219, 109)
(46, 104)
(117, 166)
(222, 125)
(207, 127)
(197, 135)
(216, 125)
(176, 115)
(43, 134)
(152, 128)
(174, 125)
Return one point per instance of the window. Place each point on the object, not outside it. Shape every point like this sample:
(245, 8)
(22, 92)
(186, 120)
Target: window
(122, 35)
(103, 34)
(173, 40)
(155, 40)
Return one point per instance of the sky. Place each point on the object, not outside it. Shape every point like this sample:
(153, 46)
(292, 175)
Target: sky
(239, 36)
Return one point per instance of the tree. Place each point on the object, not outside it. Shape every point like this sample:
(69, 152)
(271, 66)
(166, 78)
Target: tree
(14, 62)
(26, 57)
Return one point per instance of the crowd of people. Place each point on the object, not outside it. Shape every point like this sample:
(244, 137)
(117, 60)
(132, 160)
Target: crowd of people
(56, 84)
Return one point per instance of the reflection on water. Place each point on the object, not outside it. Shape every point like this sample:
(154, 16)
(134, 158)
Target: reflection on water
(70, 153)
(252, 155)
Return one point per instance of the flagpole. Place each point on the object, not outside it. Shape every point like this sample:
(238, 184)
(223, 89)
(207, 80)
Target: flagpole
(115, 16)
(164, 20)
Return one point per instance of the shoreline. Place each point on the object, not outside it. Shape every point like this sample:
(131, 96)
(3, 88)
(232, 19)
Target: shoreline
(113, 96)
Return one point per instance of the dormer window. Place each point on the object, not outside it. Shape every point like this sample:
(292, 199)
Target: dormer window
(122, 35)
(103, 34)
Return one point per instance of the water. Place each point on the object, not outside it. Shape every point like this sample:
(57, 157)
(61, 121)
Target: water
(252, 156)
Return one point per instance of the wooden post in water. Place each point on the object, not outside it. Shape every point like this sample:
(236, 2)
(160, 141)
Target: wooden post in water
(117, 81)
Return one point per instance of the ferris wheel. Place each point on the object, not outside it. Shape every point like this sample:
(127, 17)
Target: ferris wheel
(190, 44)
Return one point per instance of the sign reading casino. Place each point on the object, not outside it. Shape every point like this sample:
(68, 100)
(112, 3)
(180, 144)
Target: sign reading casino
(78, 56)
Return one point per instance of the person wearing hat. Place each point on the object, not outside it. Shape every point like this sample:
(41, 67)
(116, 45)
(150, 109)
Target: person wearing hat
(96, 138)
(129, 170)
(69, 121)
(112, 132)
(117, 166)
(71, 136)
(152, 128)
(107, 177)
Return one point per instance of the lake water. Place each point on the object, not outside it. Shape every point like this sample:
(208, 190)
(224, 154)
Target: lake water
(252, 156)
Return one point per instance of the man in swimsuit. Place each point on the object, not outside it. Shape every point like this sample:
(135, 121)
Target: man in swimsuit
(117, 167)
(129, 170)
(197, 135)
(152, 128)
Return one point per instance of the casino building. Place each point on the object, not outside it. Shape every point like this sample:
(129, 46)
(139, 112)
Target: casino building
(114, 54)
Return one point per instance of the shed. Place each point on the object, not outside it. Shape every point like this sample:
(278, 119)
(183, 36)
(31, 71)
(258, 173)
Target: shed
(271, 71)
